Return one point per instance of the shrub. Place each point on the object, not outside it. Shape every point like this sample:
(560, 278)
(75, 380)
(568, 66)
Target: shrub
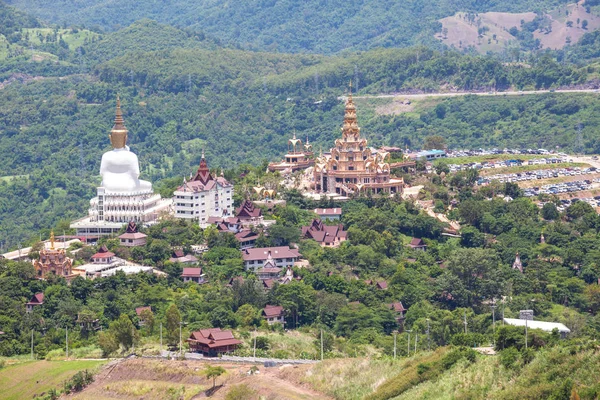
(2, 363)
(262, 343)
(458, 354)
(509, 357)
(240, 392)
(468, 339)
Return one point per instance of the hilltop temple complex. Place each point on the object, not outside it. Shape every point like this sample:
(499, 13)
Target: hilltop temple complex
(122, 197)
(298, 157)
(351, 166)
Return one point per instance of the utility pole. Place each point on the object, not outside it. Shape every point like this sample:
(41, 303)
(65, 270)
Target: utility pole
(408, 344)
(132, 340)
(161, 338)
(416, 340)
(321, 344)
(180, 325)
(428, 336)
(254, 351)
(465, 321)
(526, 332)
(494, 321)
(32, 344)
(67, 340)
(395, 335)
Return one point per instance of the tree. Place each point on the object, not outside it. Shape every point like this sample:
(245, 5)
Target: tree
(173, 317)
(147, 318)
(214, 373)
(124, 331)
(569, 24)
(159, 251)
(108, 343)
(434, 142)
(550, 212)
(584, 24)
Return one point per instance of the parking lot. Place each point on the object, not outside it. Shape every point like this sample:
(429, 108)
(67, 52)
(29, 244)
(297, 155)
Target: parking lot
(542, 174)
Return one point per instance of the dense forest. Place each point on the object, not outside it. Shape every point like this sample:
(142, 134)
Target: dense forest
(285, 26)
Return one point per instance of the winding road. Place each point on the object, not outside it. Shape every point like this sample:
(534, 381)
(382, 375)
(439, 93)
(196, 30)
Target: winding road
(456, 94)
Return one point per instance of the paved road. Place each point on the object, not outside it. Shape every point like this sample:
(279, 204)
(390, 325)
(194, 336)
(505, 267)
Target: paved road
(456, 94)
(226, 358)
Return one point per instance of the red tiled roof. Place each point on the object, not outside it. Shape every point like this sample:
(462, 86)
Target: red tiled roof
(397, 307)
(417, 242)
(382, 284)
(214, 337)
(248, 210)
(139, 310)
(268, 283)
(263, 253)
(192, 272)
(323, 233)
(37, 299)
(272, 311)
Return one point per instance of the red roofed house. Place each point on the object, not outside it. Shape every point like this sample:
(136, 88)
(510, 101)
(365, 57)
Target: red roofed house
(36, 300)
(103, 256)
(247, 238)
(273, 314)
(282, 256)
(325, 235)
(249, 214)
(418, 244)
(138, 312)
(328, 213)
(399, 310)
(212, 342)
(193, 275)
(131, 237)
(180, 257)
(381, 285)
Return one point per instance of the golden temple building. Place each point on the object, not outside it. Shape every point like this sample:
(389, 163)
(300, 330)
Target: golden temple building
(298, 157)
(353, 167)
(53, 261)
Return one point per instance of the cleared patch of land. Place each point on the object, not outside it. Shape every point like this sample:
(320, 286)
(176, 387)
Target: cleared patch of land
(491, 31)
(27, 379)
(165, 379)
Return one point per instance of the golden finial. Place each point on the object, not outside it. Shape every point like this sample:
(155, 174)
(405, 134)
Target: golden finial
(52, 239)
(118, 135)
(119, 114)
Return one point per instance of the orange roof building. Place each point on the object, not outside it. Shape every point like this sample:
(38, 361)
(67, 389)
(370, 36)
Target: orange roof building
(212, 342)
(53, 261)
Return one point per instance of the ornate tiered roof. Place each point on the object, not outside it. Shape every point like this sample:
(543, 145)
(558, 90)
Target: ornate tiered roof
(351, 165)
(53, 261)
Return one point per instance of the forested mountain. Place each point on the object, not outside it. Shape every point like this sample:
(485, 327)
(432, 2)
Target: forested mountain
(285, 26)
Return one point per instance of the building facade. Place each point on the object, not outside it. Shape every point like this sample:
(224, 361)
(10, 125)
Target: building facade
(53, 261)
(353, 167)
(281, 257)
(203, 197)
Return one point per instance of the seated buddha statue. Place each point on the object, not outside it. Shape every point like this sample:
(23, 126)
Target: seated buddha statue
(120, 169)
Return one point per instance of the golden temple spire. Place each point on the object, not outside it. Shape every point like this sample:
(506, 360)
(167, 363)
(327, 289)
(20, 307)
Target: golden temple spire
(119, 121)
(52, 239)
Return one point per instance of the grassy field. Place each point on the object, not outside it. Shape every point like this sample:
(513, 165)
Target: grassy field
(27, 379)
(74, 40)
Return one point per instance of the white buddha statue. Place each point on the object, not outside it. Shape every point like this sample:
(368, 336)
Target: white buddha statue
(120, 168)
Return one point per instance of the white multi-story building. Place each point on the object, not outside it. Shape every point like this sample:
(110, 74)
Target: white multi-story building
(203, 197)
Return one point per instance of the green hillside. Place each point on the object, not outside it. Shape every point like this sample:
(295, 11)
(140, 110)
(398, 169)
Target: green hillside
(286, 26)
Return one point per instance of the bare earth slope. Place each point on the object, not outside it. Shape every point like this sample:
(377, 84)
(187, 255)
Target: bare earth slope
(162, 379)
(462, 31)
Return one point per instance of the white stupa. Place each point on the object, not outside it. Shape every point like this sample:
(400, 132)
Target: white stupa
(122, 196)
